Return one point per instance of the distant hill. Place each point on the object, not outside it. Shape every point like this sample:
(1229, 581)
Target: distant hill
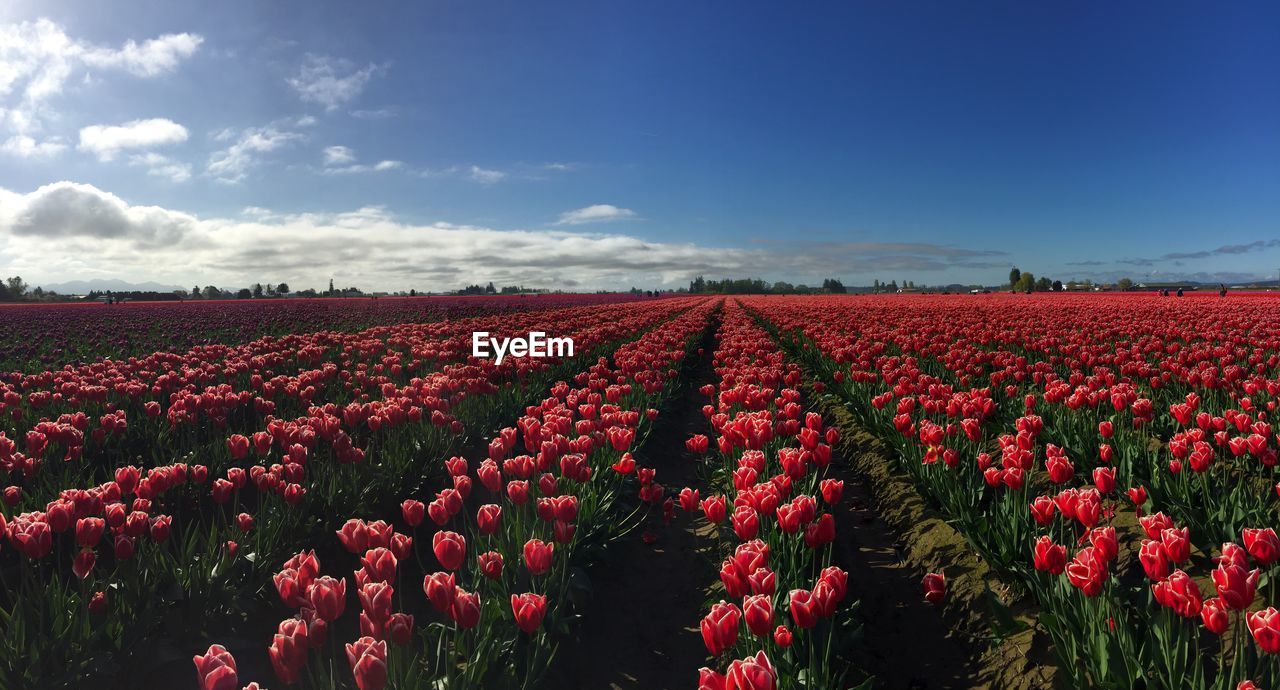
(80, 287)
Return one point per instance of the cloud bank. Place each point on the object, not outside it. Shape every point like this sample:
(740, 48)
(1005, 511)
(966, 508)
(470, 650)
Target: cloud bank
(66, 231)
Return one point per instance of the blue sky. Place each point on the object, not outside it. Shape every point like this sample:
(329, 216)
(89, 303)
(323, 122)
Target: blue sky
(609, 144)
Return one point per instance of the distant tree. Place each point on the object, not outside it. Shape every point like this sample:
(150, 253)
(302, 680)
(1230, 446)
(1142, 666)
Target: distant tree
(17, 287)
(330, 292)
(257, 289)
(212, 292)
(1044, 285)
(1057, 286)
(1124, 283)
(490, 289)
(1026, 282)
(413, 293)
(893, 286)
(244, 293)
(283, 288)
(1071, 284)
(782, 287)
(832, 285)
(195, 292)
(875, 286)
(1014, 277)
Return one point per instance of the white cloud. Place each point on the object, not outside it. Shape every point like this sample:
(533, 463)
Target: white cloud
(148, 59)
(162, 166)
(38, 58)
(76, 229)
(341, 160)
(596, 213)
(355, 169)
(22, 146)
(338, 155)
(483, 176)
(106, 141)
(378, 114)
(233, 163)
(330, 82)
(69, 211)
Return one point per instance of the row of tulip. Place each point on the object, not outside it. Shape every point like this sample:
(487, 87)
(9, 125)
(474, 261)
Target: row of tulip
(503, 534)
(784, 620)
(43, 336)
(1038, 429)
(188, 544)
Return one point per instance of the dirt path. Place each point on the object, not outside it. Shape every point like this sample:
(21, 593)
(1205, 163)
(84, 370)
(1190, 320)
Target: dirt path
(906, 642)
(640, 629)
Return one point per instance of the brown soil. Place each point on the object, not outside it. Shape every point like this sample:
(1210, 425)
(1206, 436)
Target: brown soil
(640, 627)
(921, 541)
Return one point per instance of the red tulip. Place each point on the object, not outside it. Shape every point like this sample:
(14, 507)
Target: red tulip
(400, 629)
(376, 600)
(1180, 593)
(803, 608)
(1087, 571)
(782, 636)
(379, 565)
(288, 650)
(538, 556)
(1049, 557)
(83, 563)
(328, 597)
(440, 589)
(751, 673)
(216, 669)
(1265, 627)
(1262, 544)
(368, 659)
(528, 609)
(935, 587)
(450, 549)
(490, 564)
(713, 507)
(1176, 543)
(489, 518)
(1235, 585)
(466, 609)
(1215, 615)
(413, 512)
(757, 611)
(710, 680)
(1154, 560)
(820, 532)
(1104, 478)
(88, 531)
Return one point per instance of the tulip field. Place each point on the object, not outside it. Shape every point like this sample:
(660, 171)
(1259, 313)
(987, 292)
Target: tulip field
(337, 494)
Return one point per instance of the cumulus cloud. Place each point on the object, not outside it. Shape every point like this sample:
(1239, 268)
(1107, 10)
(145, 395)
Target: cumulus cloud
(75, 229)
(148, 59)
(484, 176)
(596, 213)
(38, 59)
(22, 146)
(233, 163)
(330, 82)
(105, 141)
(340, 160)
(163, 167)
(66, 210)
(338, 155)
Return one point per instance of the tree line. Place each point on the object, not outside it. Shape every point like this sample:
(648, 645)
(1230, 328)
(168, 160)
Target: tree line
(757, 286)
